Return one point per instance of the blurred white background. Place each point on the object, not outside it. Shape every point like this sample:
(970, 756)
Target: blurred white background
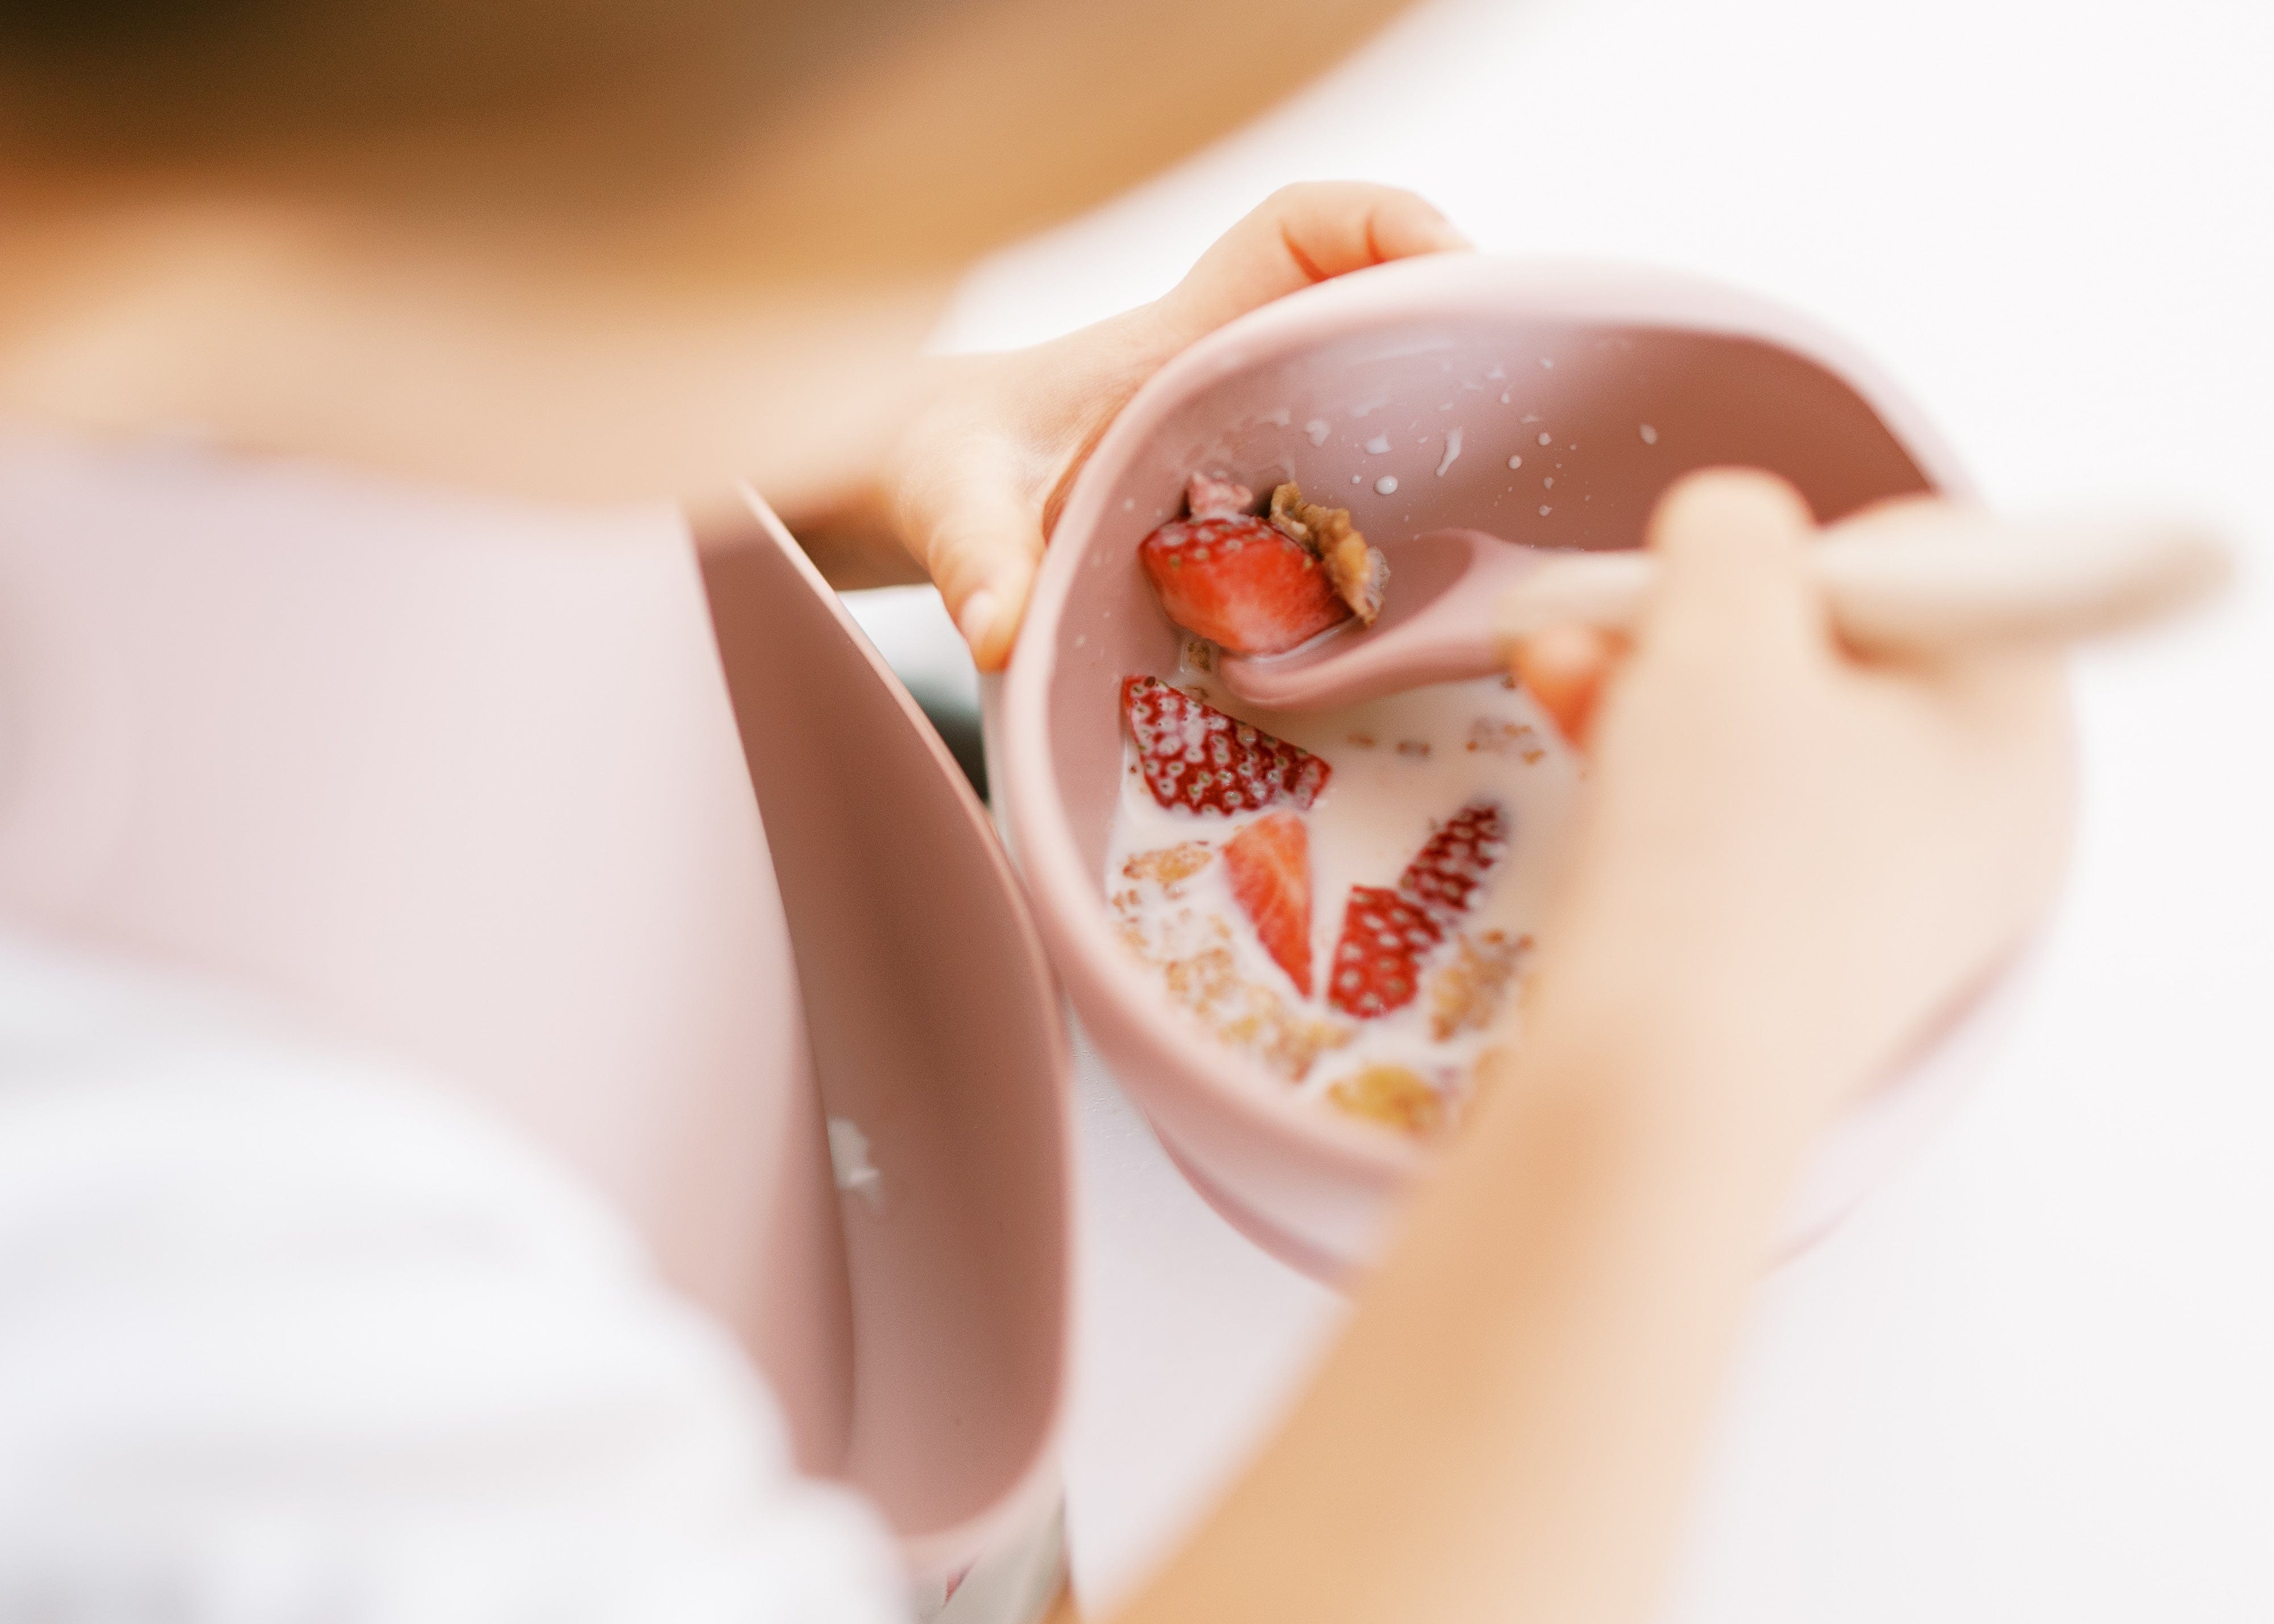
(2034, 1378)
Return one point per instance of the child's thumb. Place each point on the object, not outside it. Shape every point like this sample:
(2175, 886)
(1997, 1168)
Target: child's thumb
(980, 545)
(1730, 545)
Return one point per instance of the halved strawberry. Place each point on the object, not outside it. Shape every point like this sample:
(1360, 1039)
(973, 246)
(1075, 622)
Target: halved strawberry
(1269, 864)
(1377, 963)
(1444, 877)
(1231, 578)
(1196, 757)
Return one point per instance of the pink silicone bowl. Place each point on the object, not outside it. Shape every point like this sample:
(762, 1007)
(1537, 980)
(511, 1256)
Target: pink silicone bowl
(1635, 378)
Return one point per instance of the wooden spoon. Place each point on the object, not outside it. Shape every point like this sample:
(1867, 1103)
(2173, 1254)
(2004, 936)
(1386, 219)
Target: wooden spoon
(1918, 579)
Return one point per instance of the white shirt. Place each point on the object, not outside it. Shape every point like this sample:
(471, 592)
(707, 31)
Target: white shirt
(285, 1334)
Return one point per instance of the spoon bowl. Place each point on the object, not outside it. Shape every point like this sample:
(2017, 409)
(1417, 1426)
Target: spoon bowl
(1437, 625)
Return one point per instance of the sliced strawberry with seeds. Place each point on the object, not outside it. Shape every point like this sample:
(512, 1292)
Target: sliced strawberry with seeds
(1443, 879)
(1387, 934)
(1196, 757)
(1233, 579)
(1269, 864)
(1377, 963)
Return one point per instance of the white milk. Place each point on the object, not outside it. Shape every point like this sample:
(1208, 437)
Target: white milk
(1401, 766)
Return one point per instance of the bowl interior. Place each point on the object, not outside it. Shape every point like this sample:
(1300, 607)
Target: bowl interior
(1553, 431)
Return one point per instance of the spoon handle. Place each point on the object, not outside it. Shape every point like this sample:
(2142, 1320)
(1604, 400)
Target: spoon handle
(1924, 580)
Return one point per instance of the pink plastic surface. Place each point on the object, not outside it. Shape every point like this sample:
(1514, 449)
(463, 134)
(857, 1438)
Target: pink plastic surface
(933, 1022)
(1634, 378)
(459, 782)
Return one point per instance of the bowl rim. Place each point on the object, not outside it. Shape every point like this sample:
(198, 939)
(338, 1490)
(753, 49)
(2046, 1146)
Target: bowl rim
(1069, 901)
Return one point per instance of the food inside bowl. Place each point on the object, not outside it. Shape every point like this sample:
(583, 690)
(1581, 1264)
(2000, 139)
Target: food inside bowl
(1256, 578)
(1344, 897)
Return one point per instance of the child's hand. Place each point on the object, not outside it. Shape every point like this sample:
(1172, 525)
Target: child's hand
(980, 467)
(1793, 851)
(1790, 860)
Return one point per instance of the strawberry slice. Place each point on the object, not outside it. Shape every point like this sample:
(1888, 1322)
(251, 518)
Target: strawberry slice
(1235, 580)
(1387, 934)
(1443, 879)
(1377, 963)
(1269, 864)
(1196, 757)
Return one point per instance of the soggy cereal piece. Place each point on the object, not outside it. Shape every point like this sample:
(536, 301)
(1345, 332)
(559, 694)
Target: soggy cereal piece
(1361, 575)
(1168, 867)
(1166, 938)
(1393, 1096)
(1248, 1015)
(1193, 949)
(1495, 736)
(1199, 657)
(1365, 742)
(1288, 1042)
(1471, 988)
(1198, 980)
(1419, 748)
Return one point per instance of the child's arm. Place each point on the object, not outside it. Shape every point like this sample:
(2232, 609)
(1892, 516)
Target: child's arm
(1791, 862)
(967, 472)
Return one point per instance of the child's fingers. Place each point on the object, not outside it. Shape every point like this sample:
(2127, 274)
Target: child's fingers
(1564, 668)
(1302, 234)
(980, 540)
(980, 537)
(1730, 569)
